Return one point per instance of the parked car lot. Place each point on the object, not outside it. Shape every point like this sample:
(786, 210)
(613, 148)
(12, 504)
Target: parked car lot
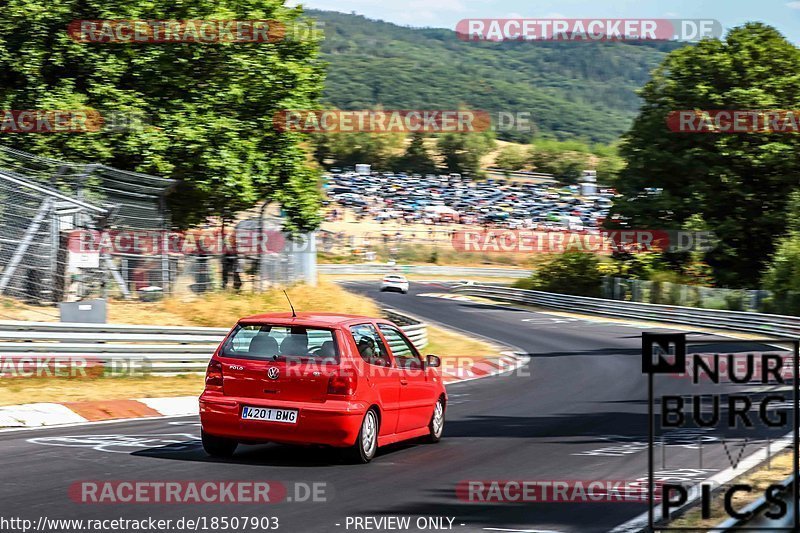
(433, 199)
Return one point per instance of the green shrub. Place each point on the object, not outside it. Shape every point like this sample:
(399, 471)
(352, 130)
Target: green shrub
(783, 277)
(575, 273)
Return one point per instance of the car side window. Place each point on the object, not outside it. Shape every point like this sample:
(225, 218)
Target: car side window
(405, 354)
(370, 345)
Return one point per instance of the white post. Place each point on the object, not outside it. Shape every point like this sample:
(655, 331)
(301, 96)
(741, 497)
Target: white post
(308, 258)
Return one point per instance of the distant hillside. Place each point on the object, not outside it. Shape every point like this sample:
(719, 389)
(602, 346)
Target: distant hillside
(582, 90)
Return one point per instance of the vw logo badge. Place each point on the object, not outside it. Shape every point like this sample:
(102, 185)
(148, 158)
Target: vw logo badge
(273, 372)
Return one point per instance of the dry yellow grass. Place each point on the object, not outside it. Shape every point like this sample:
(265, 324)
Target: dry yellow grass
(11, 309)
(18, 390)
(220, 309)
(223, 309)
(448, 344)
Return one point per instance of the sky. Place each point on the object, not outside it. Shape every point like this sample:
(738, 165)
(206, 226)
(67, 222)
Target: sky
(782, 14)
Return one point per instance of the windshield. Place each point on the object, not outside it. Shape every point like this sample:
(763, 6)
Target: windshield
(265, 341)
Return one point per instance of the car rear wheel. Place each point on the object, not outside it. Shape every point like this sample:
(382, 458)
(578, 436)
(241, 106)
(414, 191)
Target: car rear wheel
(366, 444)
(218, 446)
(436, 425)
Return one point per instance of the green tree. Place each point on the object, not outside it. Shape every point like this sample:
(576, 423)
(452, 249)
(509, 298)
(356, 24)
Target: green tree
(739, 183)
(462, 152)
(565, 160)
(511, 157)
(575, 273)
(210, 107)
(609, 164)
(782, 275)
(416, 158)
(350, 149)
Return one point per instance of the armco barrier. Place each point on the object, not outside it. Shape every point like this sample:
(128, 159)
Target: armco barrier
(427, 270)
(159, 349)
(416, 330)
(778, 325)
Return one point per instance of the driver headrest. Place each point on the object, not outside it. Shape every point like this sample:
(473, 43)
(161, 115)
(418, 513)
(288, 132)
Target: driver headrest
(295, 345)
(263, 345)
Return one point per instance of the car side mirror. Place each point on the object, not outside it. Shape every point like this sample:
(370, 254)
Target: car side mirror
(433, 361)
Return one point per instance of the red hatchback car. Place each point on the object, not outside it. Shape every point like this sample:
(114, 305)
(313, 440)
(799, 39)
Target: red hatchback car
(320, 379)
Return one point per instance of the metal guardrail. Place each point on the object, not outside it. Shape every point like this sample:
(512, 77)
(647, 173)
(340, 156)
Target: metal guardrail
(77, 327)
(157, 349)
(428, 270)
(743, 321)
(416, 330)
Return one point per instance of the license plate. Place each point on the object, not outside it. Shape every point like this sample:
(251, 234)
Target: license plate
(270, 414)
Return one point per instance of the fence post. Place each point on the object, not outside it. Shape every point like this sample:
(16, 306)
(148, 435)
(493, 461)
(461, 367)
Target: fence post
(308, 258)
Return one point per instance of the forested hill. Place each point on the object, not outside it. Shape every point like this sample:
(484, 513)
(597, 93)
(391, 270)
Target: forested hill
(571, 89)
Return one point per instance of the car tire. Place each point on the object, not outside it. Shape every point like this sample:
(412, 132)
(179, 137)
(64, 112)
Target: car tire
(366, 445)
(218, 446)
(436, 425)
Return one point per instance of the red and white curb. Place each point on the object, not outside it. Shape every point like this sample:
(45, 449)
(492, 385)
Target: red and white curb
(44, 414)
(59, 414)
(446, 296)
(489, 366)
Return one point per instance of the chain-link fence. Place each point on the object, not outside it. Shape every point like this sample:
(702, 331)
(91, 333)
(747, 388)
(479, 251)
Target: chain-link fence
(253, 256)
(662, 292)
(70, 232)
(47, 203)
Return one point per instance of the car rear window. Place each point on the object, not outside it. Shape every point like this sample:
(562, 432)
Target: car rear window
(270, 342)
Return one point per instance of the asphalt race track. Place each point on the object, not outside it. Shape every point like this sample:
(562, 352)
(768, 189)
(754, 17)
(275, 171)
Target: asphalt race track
(579, 413)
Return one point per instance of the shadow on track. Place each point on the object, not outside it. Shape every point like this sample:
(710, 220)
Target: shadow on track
(267, 454)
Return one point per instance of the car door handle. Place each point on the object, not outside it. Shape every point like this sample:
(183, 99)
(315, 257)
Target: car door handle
(403, 382)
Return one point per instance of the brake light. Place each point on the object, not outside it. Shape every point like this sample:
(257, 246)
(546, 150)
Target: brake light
(214, 374)
(343, 384)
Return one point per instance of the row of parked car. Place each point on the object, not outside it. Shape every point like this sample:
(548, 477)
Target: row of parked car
(453, 198)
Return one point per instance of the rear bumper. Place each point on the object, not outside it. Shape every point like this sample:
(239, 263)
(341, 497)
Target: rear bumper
(331, 423)
(398, 288)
